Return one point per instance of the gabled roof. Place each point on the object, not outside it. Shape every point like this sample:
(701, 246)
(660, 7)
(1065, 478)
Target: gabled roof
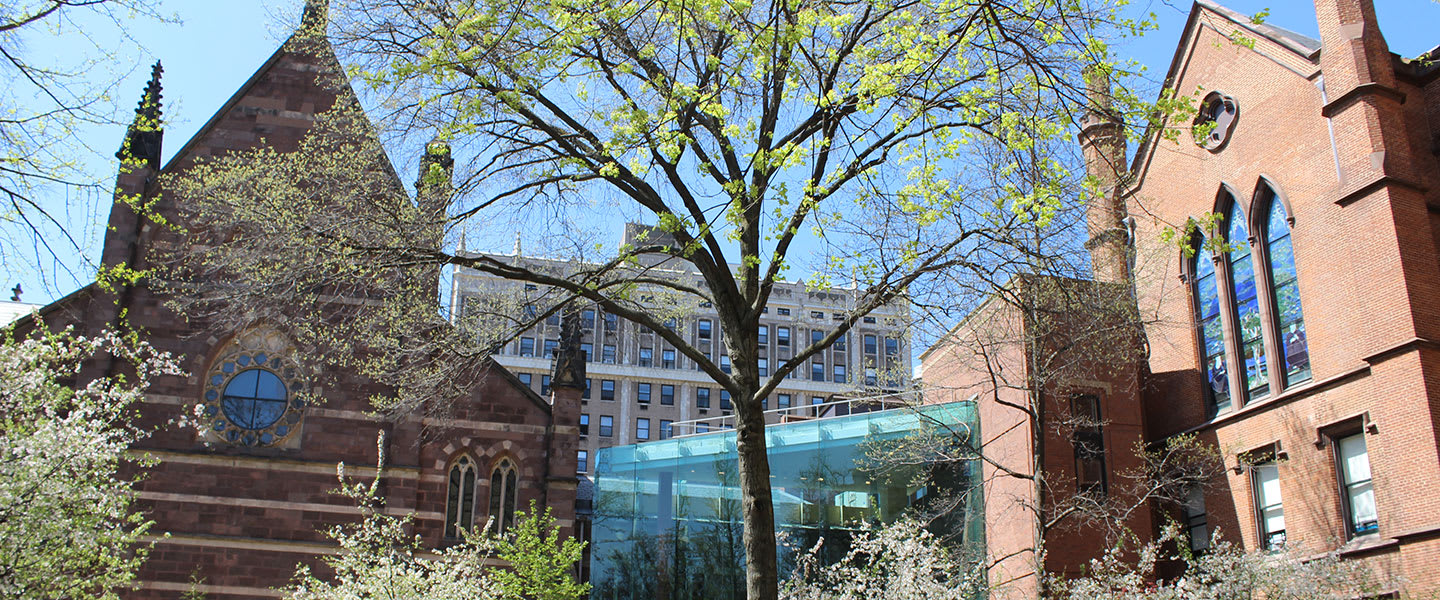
(1303, 47)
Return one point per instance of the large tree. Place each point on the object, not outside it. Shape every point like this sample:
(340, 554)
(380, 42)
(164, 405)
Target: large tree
(865, 141)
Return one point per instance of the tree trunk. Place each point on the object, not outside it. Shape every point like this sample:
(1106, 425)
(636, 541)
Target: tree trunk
(761, 581)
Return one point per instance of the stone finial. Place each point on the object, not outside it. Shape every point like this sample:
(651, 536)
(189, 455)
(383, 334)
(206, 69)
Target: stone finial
(316, 16)
(144, 136)
(569, 357)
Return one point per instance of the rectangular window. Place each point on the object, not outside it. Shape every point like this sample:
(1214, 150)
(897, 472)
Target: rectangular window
(782, 400)
(607, 354)
(817, 400)
(702, 397)
(612, 322)
(871, 376)
(839, 374)
(817, 371)
(667, 395)
(782, 337)
(607, 389)
(1355, 484)
(642, 393)
(587, 319)
(839, 344)
(892, 346)
(764, 335)
(1196, 522)
(706, 329)
(870, 343)
(550, 347)
(784, 312)
(642, 429)
(584, 424)
(582, 461)
(667, 359)
(725, 400)
(586, 395)
(531, 312)
(524, 378)
(1089, 441)
(647, 357)
(725, 363)
(1265, 481)
(815, 314)
(588, 349)
(815, 336)
(764, 365)
(544, 385)
(607, 425)
(667, 429)
(553, 320)
(527, 346)
(870, 320)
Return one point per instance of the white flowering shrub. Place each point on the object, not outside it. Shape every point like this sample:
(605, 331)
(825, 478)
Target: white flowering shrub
(1224, 572)
(67, 528)
(380, 559)
(902, 561)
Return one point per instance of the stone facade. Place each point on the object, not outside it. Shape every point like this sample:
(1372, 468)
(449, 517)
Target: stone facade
(241, 512)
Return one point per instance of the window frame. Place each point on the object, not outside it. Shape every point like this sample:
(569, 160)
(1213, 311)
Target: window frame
(455, 504)
(645, 421)
(1352, 429)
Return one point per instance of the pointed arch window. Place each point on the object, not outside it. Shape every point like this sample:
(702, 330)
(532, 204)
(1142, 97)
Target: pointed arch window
(1212, 334)
(1246, 301)
(460, 499)
(1289, 320)
(503, 492)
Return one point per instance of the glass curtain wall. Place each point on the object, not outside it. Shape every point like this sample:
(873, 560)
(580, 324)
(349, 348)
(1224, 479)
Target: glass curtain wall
(667, 521)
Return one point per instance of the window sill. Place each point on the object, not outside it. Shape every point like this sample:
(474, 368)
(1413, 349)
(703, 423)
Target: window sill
(1314, 386)
(1367, 544)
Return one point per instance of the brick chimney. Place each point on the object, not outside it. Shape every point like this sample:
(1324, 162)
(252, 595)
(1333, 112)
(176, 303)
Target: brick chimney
(1102, 139)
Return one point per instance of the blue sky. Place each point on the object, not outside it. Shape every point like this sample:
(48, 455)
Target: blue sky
(219, 44)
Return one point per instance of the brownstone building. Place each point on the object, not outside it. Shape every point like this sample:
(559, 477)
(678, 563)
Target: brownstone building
(244, 497)
(1300, 333)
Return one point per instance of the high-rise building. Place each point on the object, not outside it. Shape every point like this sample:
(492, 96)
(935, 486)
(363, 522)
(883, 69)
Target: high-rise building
(642, 388)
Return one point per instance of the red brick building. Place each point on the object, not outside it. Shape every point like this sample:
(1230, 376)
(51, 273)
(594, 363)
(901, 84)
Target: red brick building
(244, 498)
(1301, 334)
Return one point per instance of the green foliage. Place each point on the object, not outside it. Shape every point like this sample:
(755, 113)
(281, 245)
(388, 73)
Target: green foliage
(67, 527)
(542, 564)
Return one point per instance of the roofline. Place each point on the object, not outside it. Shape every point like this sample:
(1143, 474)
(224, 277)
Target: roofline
(225, 108)
(1149, 139)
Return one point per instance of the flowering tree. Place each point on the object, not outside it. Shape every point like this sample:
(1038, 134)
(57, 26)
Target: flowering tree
(67, 529)
(1225, 571)
(902, 561)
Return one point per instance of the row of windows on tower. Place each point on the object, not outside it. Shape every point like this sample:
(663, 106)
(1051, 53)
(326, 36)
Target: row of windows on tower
(1244, 299)
(668, 359)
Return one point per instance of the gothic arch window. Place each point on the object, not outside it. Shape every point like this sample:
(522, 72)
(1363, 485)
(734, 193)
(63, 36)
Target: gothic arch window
(460, 498)
(1205, 287)
(503, 495)
(1245, 301)
(1283, 282)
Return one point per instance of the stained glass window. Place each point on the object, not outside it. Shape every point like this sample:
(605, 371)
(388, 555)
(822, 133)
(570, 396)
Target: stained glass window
(1212, 339)
(1247, 304)
(502, 495)
(460, 501)
(1291, 322)
(254, 399)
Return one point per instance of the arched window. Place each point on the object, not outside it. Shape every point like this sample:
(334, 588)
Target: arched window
(1246, 302)
(1212, 335)
(460, 499)
(503, 492)
(1289, 321)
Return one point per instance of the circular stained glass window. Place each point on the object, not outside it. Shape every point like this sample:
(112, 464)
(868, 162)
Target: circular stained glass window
(254, 399)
